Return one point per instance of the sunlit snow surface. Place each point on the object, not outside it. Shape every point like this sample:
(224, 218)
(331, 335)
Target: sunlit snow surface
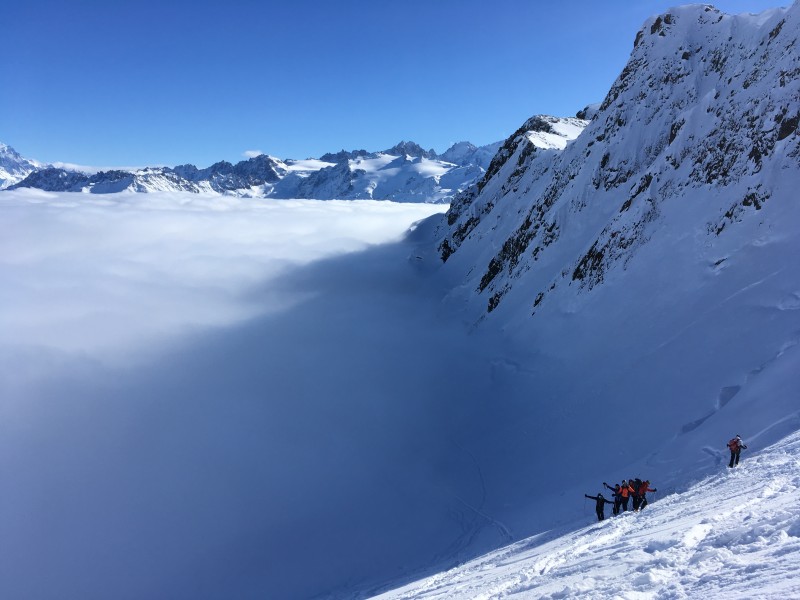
(735, 534)
(562, 132)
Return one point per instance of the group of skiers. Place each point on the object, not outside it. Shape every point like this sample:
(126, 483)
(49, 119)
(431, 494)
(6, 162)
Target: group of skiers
(636, 489)
(630, 489)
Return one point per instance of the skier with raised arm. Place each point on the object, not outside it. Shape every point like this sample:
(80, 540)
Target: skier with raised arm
(617, 497)
(600, 507)
(626, 491)
(643, 489)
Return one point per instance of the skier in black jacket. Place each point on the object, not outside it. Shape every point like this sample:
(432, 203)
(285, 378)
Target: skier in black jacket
(600, 507)
(617, 497)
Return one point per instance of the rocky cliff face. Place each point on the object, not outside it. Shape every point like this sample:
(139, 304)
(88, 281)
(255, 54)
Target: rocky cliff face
(700, 127)
(531, 149)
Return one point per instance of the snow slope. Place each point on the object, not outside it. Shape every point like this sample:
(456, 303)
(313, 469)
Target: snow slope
(732, 534)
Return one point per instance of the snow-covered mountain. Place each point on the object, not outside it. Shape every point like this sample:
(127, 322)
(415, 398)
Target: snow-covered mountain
(13, 167)
(404, 173)
(246, 177)
(465, 153)
(644, 277)
(617, 300)
(700, 129)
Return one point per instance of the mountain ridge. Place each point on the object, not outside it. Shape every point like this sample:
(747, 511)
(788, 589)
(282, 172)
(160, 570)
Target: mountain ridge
(411, 175)
(693, 112)
(14, 167)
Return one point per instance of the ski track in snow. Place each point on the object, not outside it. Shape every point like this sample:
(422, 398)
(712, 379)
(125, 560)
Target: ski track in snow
(735, 533)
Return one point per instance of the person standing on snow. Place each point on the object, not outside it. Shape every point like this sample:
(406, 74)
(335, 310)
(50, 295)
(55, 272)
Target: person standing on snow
(643, 489)
(600, 507)
(736, 445)
(635, 484)
(626, 491)
(617, 497)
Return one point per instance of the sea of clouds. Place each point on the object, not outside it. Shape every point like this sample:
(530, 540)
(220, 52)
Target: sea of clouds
(115, 275)
(210, 397)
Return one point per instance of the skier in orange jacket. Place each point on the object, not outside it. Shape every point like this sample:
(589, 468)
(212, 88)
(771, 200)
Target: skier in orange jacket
(736, 445)
(626, 491)
(642, 491)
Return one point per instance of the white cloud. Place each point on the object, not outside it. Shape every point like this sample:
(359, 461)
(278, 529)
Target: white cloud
(107, 274)
(93, 169)
(258, 331)
(252, 153)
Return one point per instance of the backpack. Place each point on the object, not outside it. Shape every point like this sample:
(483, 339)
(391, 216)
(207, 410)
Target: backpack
(734, 444)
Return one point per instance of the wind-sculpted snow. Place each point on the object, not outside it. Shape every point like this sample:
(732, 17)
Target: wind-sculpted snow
(733, 534)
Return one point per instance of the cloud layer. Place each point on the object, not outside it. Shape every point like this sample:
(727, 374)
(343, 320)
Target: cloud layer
(213, 397)
(117, 274)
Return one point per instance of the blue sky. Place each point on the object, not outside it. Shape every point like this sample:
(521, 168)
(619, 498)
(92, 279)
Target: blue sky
(123, 83)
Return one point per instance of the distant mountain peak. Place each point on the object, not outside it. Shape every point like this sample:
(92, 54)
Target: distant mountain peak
(462, 146)
(343, 156)
(14, 167)
(410, 149)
